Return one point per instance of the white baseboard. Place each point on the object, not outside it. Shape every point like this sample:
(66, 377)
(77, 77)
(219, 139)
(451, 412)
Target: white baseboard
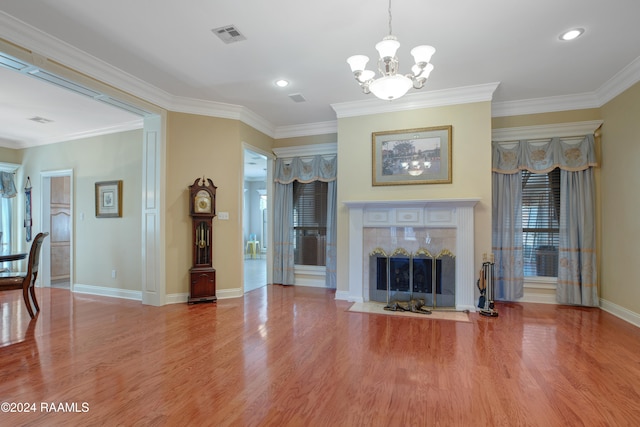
(621, 312)
(342, 295)
(107, 292)
(183, 297)
(178, 298)
(538, 298)
(229, 293)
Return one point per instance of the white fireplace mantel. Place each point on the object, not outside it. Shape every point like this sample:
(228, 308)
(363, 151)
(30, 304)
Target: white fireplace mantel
(438, 213)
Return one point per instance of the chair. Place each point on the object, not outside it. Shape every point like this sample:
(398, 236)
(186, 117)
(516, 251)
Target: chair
(26, 281)
(252, 245)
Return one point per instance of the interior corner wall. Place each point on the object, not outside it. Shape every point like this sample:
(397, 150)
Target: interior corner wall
(100, 244)
(471, 168)
(212, 147)
(620, 203)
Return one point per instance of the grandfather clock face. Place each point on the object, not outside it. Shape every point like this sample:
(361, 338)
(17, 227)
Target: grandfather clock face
(202, 202)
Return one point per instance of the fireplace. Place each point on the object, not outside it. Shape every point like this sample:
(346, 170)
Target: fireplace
(421, 248)
(402, 276)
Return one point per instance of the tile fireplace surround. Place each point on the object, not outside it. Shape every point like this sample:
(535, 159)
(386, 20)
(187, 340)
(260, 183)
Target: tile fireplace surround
(451, 217)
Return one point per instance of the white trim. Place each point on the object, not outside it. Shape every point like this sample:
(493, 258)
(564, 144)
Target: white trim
(45, 222)
(343, 295)
(268, 181)
(546, 131)
(439, 213)
(46, 46)
(622, 81)
(9, 167)
(222, 110)
(544, 105)
(538, 298)
(229, 293)
(104, 291)
(178, 298)
(621, 312)
(414, 101)
(120, 127)
(310, 275)
(320, 128)
(307, 150)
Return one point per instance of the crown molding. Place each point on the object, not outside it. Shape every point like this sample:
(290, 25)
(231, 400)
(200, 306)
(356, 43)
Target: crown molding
(414, 101)
(221, 110)
(120, 127)
(620, 82)
(613, 87)
(328, 148)
(319, 128)
(45, 46)
(545, 105)
(559, 130)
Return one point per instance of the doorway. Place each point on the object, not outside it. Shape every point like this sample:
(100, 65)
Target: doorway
(255, 228)
(57, 220)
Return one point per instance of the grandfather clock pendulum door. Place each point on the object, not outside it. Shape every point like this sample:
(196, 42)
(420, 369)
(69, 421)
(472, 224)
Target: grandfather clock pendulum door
(202, 208)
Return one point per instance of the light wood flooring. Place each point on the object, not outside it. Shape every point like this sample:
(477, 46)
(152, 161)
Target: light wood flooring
(292, 356)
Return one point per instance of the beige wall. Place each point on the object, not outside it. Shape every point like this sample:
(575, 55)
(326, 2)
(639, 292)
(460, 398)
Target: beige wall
(200, 146)
(101, 244)
(9, 155)
(620, 201)
(471, 168)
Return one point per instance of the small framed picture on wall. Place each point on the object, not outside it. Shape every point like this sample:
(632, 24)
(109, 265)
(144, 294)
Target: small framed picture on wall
(109, 199)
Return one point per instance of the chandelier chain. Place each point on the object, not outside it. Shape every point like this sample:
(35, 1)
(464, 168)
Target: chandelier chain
(390, 33)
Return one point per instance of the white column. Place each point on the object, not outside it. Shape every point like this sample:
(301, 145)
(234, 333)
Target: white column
(356, 263)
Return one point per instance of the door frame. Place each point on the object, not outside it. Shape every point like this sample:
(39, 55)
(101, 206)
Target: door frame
(269, 187)
(45, 225)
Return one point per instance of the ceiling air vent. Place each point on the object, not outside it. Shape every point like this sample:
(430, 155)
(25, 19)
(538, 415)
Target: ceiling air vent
(297, 97)
(39, 119)
(229, 34)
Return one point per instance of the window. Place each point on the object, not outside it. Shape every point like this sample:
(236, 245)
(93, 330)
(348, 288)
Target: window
(540, 222)
(310, 222)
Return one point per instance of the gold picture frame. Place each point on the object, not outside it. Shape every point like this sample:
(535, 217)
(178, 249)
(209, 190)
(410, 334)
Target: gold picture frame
(109, 199)
(412, 156)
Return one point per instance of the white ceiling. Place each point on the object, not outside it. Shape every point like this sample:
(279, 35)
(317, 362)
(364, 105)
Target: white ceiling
(169, 47)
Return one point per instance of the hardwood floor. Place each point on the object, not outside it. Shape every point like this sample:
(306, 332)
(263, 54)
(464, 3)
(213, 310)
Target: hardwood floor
(292, 356)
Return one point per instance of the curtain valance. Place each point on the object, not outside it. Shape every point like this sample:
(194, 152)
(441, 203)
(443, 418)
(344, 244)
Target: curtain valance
(306, 169)
(7, 186)
(542, 156)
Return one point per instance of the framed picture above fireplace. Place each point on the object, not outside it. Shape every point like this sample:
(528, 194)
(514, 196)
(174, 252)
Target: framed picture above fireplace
(412, 156)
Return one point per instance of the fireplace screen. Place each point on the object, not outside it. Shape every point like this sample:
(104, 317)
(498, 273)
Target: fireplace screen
(402, 276)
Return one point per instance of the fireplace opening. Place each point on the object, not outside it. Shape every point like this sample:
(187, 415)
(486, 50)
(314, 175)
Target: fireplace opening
(402, 276)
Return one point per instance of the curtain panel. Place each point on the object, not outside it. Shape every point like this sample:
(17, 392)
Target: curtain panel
(305, 170)
(7, 185)
(577, 246)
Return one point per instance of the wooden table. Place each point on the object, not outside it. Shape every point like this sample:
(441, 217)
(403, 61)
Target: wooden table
(12, 257)
(8, 258)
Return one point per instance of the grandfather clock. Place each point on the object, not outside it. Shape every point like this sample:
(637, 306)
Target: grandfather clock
(202, 208)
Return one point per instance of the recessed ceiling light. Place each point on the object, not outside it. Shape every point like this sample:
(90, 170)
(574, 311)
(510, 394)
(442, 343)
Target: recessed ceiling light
(282, 83)
(571, 34)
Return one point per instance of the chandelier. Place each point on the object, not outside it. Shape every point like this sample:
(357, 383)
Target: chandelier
(392, 85)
